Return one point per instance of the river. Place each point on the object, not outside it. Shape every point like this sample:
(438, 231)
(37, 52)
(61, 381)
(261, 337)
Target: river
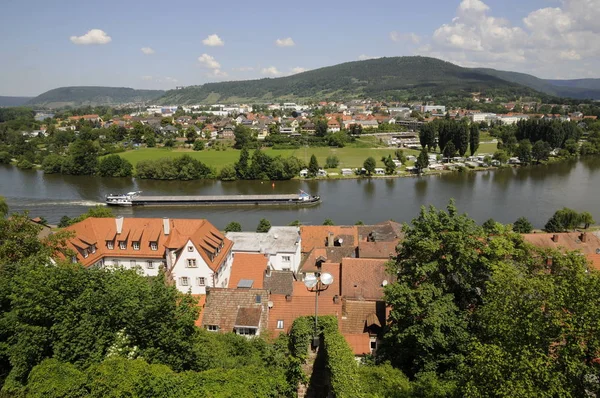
(504, 195)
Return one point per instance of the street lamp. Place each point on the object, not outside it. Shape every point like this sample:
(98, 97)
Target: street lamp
(317, 283)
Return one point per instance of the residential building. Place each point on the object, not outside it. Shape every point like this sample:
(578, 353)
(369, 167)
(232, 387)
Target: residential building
(281, 246)
(241, 311)
(586, 242)
(194, 253)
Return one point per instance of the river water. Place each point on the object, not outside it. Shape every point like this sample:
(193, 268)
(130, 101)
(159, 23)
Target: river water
(504, 195)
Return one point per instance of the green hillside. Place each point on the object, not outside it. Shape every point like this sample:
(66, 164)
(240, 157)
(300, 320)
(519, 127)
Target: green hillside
(383, 78)
(578, 88)
(6, 101)
(92, 95)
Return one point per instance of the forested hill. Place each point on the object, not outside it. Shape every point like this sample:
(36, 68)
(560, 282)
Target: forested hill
(13, 101)
(577, 88)
(92, 95)
(382, 78)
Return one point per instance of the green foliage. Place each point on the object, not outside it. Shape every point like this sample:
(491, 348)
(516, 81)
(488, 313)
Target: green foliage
(263, 225)
(182, 168)
(53, 164)
(390, 166)
(567, 219)
(25, 164)
(422, 160)
(313, 166)
(501, 156)
(77, 96)
(540, 151)
(3, 207)
(328, 221)
(5, 157)
(489, 226)
(400, 156)
(473, 138)
(65, 221)
(54, 379)
(523, 151)
(114, 166)
(370, 165)
(295, 223)
(384, 381)
(522, 226)
(228, 173)
(233, 226)
(82, 159)
(244, 137)
(332, 162)
(198, 145)
(449, 150)
(96, 211)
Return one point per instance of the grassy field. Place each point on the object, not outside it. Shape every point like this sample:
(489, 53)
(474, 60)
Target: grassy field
(350, 157)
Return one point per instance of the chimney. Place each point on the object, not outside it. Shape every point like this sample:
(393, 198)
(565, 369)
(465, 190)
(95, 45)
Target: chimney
(330, 239)
(166, 226)
(555, 238)
(583, 237)
(119, 222)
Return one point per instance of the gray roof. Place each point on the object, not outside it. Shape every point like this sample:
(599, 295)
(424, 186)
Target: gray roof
(279, 282)
(277, 240)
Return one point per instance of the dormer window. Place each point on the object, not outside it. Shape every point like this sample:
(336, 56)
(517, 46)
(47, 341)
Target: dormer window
(122, 245)
(136, 245)
(93, 248)
(85, 253)
(110, 245)
(154, 246)
(74, 259)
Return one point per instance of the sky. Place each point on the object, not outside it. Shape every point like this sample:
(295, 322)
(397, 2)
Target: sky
(162, 44)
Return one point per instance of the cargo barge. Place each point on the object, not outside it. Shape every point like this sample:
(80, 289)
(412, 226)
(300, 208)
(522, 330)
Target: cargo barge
(137, 199)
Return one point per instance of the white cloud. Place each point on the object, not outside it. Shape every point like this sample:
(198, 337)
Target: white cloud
(287, 42)
(243, 69)
(147, 50)
(217, 73)
(298, 69)
(364, 57)
(147, 78)
(94, 36)
(209, 62)
(270, 71)
(405, 37)
(546, 44)
(213, 41)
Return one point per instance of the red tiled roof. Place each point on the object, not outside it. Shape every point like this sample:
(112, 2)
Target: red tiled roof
(363, 278)
(250, 266)
(204, 236)
(569, 241)
(223, 305)
(201, 302)
(360, 315)
(360, 343)
(288, 311)
(377, 249)
(316, 235)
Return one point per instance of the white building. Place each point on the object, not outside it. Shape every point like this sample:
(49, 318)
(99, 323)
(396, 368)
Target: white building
(193, 253)
(281, 245)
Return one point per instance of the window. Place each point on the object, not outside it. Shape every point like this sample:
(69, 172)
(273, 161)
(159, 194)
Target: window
(246, 331)
(150, 265)
(136, 245)
(93, 248)
(110, 245)
(132, 263)
(280, 324)
(122, 245)
(286, 259)
(74, 259)
(184, 281)
(200, 281)
(154, 246)
(85, 253)
(212, 328)
(190, 248)
(191, 263)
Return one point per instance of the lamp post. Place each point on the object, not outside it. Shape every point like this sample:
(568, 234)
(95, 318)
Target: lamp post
(317, 283)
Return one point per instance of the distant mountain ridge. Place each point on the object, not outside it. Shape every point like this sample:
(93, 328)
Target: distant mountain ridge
(6, 101)
(379, 78)
(92, 95)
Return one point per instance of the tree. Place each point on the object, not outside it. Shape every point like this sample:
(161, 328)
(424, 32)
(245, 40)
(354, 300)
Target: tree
(244, 137)
(565, 219)
(3, 207)
(233, 226)
(263, 225)
(198, 145)
(115, 166)
(540, 151)
(242, 165)
(5, 157)
(422, 161)
(295, 223)
(400, 156)
(474, 138)
(65, 221)
(328, 221)
(523, 151)
(489, 226)
(461, 138)
(228, 173)
(522, 226)
(332, 162)
(369, 165)
(53, 163)
(321, 128)
(390, 166)
(501, 156)
(313, 166)
(83, 158)
(427, 136)
(190, 134)
(585, 218)
(449, 150)
(359, 222)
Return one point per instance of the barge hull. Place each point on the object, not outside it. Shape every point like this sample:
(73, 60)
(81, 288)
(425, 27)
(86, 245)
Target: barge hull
(229, 200)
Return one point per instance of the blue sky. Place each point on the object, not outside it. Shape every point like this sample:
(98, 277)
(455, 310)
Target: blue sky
(46, 46)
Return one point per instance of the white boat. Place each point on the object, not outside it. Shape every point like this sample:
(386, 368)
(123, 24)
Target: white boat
(121, 200)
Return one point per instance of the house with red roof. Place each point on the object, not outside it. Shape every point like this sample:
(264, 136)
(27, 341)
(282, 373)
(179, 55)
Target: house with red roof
(193, 252)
